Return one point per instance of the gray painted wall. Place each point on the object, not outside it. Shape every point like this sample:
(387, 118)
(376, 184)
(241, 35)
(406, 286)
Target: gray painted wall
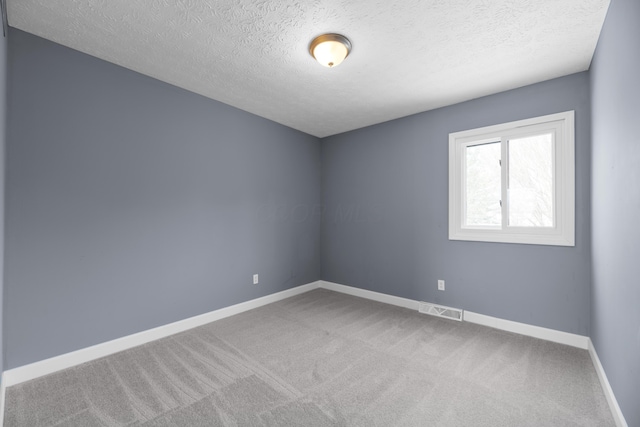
(3, 134)
(385, 191)
(132, 203)
(615, 327)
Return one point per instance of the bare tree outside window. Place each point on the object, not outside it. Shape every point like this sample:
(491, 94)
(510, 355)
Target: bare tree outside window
(483, 181)
(531, 181)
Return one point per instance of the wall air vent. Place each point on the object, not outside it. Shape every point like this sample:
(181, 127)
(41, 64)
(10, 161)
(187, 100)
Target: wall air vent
(440, 311)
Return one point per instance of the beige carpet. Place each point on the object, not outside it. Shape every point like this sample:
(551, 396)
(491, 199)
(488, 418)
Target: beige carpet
(323, 359)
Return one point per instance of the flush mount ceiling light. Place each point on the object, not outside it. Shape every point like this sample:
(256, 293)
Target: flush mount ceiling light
(330, 49)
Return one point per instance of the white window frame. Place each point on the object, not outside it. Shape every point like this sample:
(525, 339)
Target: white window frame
(563, 231)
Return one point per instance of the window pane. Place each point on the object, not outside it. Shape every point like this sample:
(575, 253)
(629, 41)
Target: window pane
(531, 181)
(483, 182)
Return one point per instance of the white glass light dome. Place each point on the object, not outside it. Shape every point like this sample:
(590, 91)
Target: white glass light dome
(330, 49)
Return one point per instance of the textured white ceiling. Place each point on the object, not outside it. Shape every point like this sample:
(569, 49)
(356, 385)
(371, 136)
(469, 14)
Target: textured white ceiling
(408, 56)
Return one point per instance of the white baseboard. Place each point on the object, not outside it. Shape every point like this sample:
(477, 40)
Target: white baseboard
(547, 334)
(481, 319)
(3, 389)
(68, 360)
(606, 387)
(375, 296)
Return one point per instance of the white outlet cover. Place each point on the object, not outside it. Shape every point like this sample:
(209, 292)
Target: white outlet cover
(255, 279)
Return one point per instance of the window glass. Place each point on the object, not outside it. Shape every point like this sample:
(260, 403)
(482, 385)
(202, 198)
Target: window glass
(483, 181)
(531, 181)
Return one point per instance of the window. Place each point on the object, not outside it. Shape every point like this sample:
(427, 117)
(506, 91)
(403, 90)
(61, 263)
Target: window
(514, 183)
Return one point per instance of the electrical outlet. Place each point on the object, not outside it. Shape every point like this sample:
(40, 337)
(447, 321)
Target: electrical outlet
(441, 285)
(255, 279)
